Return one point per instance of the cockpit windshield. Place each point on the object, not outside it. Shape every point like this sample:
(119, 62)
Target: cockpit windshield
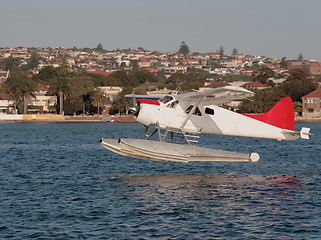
(166, 99)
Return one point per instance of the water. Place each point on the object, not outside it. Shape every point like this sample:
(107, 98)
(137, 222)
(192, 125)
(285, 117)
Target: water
(58, 182)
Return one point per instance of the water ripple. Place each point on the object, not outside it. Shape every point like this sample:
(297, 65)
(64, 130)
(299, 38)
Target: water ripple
(57, 182)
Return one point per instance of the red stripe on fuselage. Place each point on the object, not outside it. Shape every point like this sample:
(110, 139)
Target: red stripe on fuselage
(148, 101)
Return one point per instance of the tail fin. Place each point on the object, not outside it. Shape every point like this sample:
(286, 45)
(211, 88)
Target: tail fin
(281, 115)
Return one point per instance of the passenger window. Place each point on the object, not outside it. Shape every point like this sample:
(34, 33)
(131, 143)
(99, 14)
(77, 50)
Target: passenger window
(189, 108)
(209, 111)
(197, 111)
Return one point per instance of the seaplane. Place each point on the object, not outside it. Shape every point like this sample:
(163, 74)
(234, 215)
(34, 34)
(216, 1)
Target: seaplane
(178, 121)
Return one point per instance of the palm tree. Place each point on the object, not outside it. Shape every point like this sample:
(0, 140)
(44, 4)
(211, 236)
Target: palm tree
(59, 86)
(98, 97)
(21, 88)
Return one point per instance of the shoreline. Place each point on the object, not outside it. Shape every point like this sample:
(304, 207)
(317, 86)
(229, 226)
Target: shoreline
(36, 118)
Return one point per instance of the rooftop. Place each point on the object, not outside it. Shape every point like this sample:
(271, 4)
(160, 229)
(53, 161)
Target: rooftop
(315, 94)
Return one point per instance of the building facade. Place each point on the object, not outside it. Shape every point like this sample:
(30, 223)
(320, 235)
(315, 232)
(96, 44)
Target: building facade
(6, 104)
(311, 104)
(312, 67)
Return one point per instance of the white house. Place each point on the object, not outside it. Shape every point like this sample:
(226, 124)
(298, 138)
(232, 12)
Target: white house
(6, 104)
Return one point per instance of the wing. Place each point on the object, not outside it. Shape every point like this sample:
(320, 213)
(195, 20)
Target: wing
(215, 96)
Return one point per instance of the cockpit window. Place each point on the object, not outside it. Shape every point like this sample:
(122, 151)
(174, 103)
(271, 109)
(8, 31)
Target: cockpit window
(174, 104)
(166, 99)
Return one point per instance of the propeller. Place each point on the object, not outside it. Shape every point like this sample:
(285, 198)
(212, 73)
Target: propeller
(135, 108)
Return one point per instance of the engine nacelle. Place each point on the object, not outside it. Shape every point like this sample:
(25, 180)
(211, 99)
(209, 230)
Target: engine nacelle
(148, 112)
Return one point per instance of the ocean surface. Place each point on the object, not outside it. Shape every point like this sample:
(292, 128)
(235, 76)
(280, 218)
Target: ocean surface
(58, 182)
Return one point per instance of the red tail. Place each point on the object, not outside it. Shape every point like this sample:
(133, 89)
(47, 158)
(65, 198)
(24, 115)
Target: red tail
(281, 115)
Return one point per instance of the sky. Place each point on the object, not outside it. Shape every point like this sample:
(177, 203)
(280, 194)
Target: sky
(273, 28)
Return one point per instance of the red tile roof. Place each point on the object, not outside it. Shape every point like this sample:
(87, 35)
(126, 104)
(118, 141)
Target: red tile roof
(315, 94)
(255, 85)
(5, 96)
(102, 73)
(42, 87)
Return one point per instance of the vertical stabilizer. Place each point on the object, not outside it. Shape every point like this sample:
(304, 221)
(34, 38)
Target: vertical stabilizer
(281, 115)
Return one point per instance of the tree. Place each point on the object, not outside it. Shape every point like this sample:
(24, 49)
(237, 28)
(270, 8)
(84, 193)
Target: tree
(134, 64)
(264, 74)
(177, 80)
(298, 84)
(58, 86)
(235, 52)
(33, 61)
(263, 100)
(300, 57)
(46, 73)
(78, 95)
(11, 63)
(283, 63)
(183, 48)
(121, 104)
(57, 78)
(141, 76)
(99, 47)
(221, 51)
(123, 65)
(118, 78)
(21, 88)
(98, 98)
(214, 63)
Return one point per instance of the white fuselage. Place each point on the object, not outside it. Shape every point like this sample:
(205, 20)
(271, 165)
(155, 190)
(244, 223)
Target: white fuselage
(207, 119)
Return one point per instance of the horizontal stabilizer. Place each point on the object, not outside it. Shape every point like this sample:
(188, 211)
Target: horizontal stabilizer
(305, 132)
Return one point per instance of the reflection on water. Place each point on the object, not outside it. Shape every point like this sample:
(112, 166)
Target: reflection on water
(214, 185)
(217, 205)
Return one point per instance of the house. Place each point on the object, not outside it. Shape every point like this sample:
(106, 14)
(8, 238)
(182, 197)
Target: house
(152, 86)
(247, 71)
(41, 102)
(215, 84)
(152, 69)
(312, 67)
(111, 92)
(175, 68)
(256, 85)
(220, 71)
(213, 55)
(311, 104)
(6, 104)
